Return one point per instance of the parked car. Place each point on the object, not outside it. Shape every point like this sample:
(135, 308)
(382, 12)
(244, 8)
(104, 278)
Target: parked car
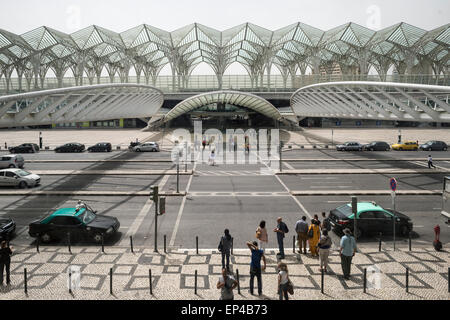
(377, 146)
(18, 178)
(11, 161)
(25, 148)
(100, 147)
(434, 146)
(81, 222)
(371, 218)
(146, 146)
(407, 145)
(70, 147)
(349, 146)
(7, 228)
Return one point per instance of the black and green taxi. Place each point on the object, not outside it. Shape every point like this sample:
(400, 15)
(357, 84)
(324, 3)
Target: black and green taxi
(371, 218)
(78, 223)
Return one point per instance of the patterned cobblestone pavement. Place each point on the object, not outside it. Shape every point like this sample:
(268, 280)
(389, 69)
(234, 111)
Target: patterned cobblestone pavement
(173, 274)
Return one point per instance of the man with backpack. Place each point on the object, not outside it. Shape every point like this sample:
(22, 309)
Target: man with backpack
(326, 225)
(281, 230)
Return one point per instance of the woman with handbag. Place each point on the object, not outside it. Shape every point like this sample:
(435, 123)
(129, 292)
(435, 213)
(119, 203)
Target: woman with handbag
(314, 235)
(283, 281)
(261, 235)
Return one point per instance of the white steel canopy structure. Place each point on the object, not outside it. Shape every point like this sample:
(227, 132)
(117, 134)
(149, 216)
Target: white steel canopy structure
(373, 100)
(236, 98)
(294, 48)
(78, 104)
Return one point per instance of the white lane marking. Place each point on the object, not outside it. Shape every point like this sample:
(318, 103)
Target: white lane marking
(142, 214)
(289, 191)
(288, 165)
(318, 178)
(180, 212)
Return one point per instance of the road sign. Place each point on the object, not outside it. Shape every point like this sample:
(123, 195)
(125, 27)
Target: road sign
(393, 184)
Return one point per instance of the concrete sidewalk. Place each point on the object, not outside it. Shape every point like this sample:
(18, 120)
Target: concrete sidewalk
(173, 274)
(87, 193)
(110, 172)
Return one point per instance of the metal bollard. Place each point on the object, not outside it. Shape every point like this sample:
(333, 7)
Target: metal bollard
(293, 244)
(150, 280)
(37, 243)
(131, 244)
(448, 279)
(379, 243)
(365, 279)
(407, 279)
(68, 242)
(165, 246)
(322, 277)
(410, 244)
(110, 281)
(239, 285)
(103, 244)
(25, 280)
(196, 243)
(195, 279)
(232, 244)
(70, 282)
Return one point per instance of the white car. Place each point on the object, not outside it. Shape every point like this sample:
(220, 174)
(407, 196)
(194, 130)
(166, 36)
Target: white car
(11, 161)
(147, 146)
(18, 178)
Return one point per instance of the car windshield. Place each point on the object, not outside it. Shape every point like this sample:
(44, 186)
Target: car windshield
(87, 217)
(22, 173)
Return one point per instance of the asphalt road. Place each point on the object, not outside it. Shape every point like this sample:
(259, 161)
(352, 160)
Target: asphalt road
(233, 196)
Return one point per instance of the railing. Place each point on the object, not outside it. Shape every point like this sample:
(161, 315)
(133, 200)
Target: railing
(201, 83)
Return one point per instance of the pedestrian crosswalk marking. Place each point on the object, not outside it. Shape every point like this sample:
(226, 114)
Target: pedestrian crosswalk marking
(228, 173)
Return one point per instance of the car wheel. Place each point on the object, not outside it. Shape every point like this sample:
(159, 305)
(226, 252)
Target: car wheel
(97, 237)
(11, 166)
(45, 237)
(23, 185)
(404, 231)
(415, 149)
(445, 149)
(138, 150)
(400, 149)
(387, 149)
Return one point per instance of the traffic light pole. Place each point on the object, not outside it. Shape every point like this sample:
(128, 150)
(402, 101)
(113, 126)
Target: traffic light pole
(155, 200)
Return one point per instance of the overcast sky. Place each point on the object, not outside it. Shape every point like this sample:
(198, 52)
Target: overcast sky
(120, 15)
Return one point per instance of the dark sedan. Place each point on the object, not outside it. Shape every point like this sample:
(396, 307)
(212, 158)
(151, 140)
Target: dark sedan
(434, 146)
(100, 147)
(377, 146)
(349, 146)
(25, 148)
(7, 228)
(70, 147)
(81, 223)
(371, 219)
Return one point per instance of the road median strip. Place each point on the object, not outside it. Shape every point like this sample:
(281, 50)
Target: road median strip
(98, 160)
(363, 171)
(85, 193)
(110, 172)
(364, 192)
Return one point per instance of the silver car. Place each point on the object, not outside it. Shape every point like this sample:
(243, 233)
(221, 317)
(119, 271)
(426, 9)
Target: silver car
(18, 178)
(11, 161)
(147, 146)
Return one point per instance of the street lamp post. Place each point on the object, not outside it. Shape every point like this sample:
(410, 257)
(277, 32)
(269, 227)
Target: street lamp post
(155, 200)
(40, 140)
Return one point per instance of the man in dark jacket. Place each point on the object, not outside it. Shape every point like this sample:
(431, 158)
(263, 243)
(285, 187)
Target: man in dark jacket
(5, 261)
(281, 229)
(226, 243)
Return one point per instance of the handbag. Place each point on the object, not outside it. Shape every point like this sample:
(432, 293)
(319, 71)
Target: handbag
(220, 247)
(290, 287)
(311, 233)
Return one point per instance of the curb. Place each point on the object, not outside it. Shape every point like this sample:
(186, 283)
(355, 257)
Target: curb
(366, 192)
(362, 171)
(110, 172)
(88, 193)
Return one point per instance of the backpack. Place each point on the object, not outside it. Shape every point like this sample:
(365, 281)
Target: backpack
(284, 226)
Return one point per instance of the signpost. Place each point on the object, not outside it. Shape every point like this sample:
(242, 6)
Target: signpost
(393, 186)
(355, 212)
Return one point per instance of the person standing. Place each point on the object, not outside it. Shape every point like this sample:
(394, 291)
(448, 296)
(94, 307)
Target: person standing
(212, 158)
(283, 281)
(430, 162)
(226, 284)
(226, 243)
(301, 227)
(347, 252)
(313, 237)
(5, 262)
(255, 266)
(324, 250)
(281, 230)
(326, 225)
(261, 235)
